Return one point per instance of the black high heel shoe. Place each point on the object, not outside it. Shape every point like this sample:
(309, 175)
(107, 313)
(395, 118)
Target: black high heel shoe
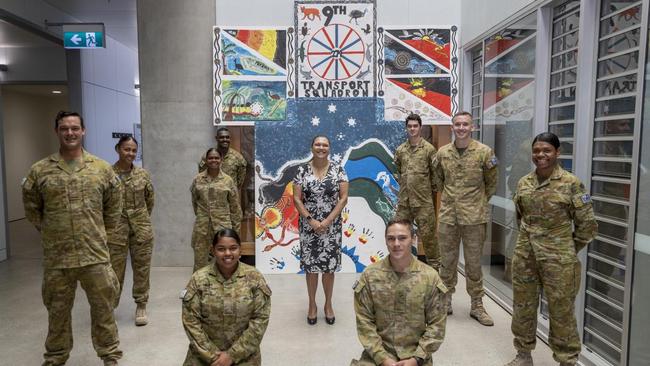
(312, 321)
(331, 320)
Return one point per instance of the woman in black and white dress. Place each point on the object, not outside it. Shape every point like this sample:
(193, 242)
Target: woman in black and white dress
(320, 193)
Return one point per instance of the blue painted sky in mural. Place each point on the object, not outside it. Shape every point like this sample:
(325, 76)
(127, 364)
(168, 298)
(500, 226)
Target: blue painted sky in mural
(347, 122)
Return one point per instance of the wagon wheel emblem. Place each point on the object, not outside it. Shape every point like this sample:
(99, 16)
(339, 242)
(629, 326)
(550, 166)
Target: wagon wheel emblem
(336, 52)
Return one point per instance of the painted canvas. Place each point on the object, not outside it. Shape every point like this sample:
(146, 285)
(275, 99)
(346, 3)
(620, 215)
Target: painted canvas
(335, 45)
(253, 100)
(362, 143)
(252, 74)
(419, 73)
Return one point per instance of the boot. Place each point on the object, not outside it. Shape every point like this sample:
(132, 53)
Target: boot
(522, 359)
(450, 310)
(478, 312)
(110, 362)
(141, 315)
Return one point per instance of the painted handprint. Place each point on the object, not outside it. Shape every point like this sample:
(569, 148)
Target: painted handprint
(366, 234)
(349, 230)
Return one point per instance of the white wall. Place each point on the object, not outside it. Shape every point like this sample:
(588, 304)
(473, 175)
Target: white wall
(110, 100)
(29, 136)
(389, 12)
(478, 16)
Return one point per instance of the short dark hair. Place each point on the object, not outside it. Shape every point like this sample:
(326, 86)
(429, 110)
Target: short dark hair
(460, 114)
(63, 114)
(413, 117)
(319, 136)
(220, 129)
(399, 221)
(124, 139)
(548, 137)
(226, 233)
(211, 150)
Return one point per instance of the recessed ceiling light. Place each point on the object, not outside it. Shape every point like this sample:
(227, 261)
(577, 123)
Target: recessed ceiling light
(56, 92)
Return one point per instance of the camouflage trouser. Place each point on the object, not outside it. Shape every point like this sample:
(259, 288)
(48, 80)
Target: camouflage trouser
(192, 359)
(472, 237)
(560, 282)
(140, 264)
(202, 244)
(425, 218)
(366, 360)
(59, 286)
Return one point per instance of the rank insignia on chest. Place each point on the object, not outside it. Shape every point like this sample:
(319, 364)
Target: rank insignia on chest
(585, 198)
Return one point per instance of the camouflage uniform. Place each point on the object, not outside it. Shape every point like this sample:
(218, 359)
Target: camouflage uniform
(233, 164)
(467, 182)
(399, 315)
(222, 315)
(134, 233)
(556, 220)
(416, 193)
(73, 207)
(216, 206)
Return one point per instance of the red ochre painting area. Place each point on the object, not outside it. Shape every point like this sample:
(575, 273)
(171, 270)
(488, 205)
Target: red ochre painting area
(436, 99)
(439, 53)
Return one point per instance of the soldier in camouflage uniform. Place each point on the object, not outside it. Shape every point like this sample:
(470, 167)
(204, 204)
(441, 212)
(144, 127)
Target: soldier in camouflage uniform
(73, 199)
(134, 233)
(232, 162)
(216, 206)
(415, 174)
(556, 220)
(466, 172)
(226, 308)
(399, 305)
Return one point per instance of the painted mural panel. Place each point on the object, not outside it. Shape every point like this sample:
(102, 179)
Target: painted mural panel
(335, 49)
(362, 143)
(251, 74)
(419, 73)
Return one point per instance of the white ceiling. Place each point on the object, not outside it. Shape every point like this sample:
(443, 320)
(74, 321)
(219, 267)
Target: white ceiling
(118, 16)
(14, 36)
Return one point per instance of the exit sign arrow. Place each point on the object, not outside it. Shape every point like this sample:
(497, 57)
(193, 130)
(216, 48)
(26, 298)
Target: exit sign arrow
(75, 39)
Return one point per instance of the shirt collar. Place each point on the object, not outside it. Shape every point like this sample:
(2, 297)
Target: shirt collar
(214, 271)
(413, 267)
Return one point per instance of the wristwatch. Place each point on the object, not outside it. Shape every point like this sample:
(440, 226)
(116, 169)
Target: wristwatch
(420, 361)
(308, 218)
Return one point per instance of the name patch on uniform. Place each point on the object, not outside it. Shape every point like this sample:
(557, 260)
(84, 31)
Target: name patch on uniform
(585, 198)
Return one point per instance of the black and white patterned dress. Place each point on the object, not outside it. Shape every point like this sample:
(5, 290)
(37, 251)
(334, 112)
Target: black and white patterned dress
(320, 253)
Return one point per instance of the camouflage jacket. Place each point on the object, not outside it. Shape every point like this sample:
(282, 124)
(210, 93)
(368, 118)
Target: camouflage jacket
(415, 173)
(556, 215)
(73, 209)
(467, 182)
(233, 164)
(230, 315)
(400, 316)
(137, 199)
(215, 203)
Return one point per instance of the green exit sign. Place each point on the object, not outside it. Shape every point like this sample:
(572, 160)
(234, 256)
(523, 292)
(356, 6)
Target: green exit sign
(83, 36)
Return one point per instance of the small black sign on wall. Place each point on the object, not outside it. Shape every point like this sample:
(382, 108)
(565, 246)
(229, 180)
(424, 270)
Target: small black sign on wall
(119, 135)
